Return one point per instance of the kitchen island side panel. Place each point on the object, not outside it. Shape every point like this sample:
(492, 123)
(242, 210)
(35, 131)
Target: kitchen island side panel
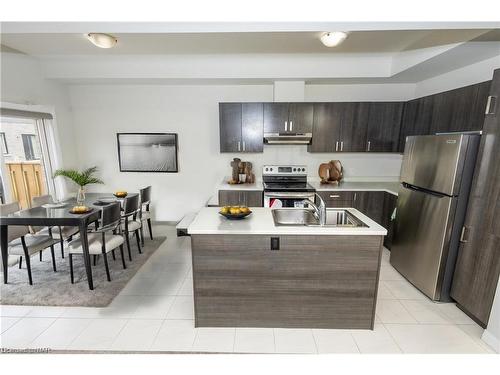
(310, 282)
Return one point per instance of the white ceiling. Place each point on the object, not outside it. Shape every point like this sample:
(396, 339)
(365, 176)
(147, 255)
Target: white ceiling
(45, 44)
(223, 52)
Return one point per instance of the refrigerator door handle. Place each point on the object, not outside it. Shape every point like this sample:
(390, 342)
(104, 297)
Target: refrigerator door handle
(421, 190)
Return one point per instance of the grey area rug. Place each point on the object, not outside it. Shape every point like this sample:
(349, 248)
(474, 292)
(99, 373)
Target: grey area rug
(55, 289)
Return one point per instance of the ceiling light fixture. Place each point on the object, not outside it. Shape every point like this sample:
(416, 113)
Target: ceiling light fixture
(333, 38)
(102, 40)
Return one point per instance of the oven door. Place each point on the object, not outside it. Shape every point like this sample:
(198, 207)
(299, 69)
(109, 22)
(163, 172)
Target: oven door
(287, 199)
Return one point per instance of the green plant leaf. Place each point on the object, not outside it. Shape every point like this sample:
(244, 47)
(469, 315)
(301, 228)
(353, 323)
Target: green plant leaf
(80, 178)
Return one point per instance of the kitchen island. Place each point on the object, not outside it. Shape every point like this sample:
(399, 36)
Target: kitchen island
(253, 273)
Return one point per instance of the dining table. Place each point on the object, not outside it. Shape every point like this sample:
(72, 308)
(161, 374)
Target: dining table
(60, 216)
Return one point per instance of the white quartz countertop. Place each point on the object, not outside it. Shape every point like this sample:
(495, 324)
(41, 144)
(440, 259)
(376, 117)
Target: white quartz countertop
(209, 221)
(389, 187)
(256, 186)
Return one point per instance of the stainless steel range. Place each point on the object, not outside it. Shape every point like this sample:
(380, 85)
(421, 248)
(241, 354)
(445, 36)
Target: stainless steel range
(286, 186)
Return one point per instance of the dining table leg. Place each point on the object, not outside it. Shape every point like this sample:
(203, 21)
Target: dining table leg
(4, 244)
(86, 255)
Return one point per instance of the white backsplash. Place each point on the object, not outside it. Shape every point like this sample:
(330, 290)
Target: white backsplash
(357, 166)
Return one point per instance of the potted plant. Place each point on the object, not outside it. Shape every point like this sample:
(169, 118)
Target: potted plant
(82, 179)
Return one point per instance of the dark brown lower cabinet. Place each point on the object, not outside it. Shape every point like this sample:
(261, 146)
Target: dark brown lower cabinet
(370, 203)
(377, 205)
(249, 198)
(297, 281)
(478, 264)
(337, 199)
(390, 203)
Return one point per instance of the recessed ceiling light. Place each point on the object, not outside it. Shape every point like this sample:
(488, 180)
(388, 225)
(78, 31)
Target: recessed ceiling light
(102, 40)
(333, 38)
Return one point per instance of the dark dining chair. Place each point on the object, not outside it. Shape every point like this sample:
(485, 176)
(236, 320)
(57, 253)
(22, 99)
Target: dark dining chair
(145, 214)
(107, 237)
(22, 243)
(131, 224)
(62, 233)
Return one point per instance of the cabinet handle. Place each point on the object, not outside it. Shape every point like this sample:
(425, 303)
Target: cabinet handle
(462, 235)
(354, 197)
(334, 196)
(243, 145)
(239, 146)
(488, 105)
(369, 146)
(291, 125)
(286, 125)
(342, 146)
(337, 146)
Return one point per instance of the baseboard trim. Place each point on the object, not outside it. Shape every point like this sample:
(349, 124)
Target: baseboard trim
(491, 340)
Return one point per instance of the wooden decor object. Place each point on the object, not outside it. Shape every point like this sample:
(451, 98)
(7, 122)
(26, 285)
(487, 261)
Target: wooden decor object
(331, 172)
(235, 164)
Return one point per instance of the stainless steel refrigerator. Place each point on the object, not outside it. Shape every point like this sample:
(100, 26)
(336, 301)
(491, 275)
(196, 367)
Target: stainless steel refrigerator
(436, 176)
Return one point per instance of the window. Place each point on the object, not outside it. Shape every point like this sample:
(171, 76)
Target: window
(5, 149)
(30, 144)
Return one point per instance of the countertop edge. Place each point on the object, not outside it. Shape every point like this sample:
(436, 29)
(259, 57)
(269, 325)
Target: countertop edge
(208, 221)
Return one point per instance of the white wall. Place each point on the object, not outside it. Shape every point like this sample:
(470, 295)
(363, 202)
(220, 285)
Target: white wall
(360, 92)
(192, 112)
(469, 75)
(23, 82)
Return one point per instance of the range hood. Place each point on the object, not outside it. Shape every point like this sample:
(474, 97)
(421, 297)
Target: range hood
(287, 138)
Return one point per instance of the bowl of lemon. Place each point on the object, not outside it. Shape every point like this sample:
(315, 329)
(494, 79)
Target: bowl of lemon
(235, 212)
(120, 194)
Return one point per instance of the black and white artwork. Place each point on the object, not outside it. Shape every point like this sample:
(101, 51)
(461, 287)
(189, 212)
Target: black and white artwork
(147, 152)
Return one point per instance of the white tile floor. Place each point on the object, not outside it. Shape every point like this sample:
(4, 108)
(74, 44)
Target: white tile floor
(154, 312)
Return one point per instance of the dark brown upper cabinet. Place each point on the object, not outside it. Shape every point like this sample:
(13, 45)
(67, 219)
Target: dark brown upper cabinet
(384, 121)
(356, 127)
(327, 122)
(300, 117)
(288, 117)
(456, 110)
(241, 127)
(355, 119)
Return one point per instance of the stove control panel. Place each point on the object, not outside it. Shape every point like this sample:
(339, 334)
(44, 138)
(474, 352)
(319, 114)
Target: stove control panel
(284, 170)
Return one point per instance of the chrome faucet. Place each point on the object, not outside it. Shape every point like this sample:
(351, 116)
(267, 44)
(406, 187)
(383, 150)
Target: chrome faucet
(320, 210)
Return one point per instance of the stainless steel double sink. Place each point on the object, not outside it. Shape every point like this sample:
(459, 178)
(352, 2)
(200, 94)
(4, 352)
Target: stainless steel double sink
(307, 217)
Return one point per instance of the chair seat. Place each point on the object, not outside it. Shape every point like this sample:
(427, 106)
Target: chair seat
(95, 243)
(66, 231)
(133, 225)
(146, 215)
(34, 243)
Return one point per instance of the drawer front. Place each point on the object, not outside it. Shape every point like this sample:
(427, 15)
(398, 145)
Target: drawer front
(335, 199)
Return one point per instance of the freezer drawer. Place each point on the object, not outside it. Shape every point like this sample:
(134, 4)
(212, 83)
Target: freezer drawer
(433, 161)
(421, 239)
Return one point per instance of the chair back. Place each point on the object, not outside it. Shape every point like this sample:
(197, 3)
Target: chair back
(41, 200)
(110, 216)
(131, 205)
(37, 202)
(145, 195)
(15, 231)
